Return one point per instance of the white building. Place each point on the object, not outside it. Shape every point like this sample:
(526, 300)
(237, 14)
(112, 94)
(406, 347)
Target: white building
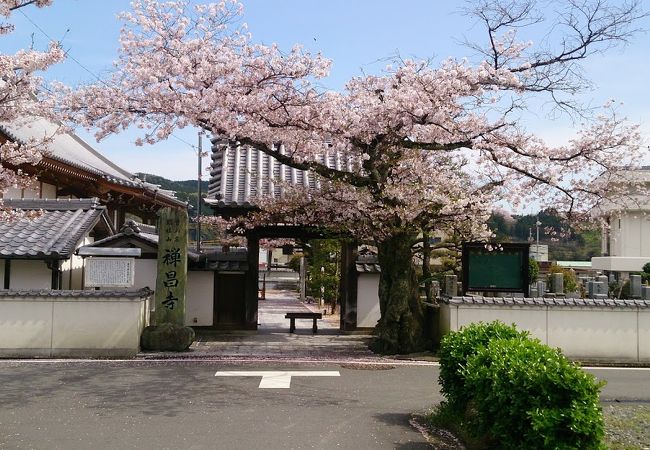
(626, 228)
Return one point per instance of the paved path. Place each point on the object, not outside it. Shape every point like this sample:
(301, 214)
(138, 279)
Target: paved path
(272, 341)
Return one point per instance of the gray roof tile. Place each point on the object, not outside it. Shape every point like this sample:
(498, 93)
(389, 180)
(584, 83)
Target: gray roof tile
(142, 293)
(241, 173)
(70, 149)
(542, 302)
(367, 264)
(54, 234)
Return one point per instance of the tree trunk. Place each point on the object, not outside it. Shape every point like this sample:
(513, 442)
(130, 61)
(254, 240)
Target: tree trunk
(400, 329)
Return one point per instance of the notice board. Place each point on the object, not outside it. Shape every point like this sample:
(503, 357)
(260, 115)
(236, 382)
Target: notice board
(495, 267)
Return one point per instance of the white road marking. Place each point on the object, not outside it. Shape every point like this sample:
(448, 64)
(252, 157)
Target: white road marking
(615, 368)
(273, 379)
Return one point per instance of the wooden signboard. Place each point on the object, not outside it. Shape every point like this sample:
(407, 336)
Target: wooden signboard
(109, 272)
(172, 266)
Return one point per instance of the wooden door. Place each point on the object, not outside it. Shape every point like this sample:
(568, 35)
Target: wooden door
(229, 300)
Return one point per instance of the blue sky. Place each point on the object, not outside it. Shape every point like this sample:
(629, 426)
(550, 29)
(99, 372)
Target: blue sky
(357, 35)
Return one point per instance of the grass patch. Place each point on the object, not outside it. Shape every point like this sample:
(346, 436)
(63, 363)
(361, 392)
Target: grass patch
(627, 426)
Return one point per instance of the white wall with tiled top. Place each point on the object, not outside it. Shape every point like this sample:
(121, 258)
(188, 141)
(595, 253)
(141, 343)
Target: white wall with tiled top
(585, 333)
(91, 326)
(30, 274)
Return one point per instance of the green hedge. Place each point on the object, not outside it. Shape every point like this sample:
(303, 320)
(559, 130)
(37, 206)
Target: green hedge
(516, 392)
(457, 347)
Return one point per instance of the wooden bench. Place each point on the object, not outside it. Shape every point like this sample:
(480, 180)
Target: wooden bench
(292, 316)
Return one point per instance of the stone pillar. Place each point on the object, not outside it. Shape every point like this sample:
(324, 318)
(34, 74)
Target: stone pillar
(645, 292)
(251, 292)
(172, 266)
(303, 278)
(635, 286)
(451, 285)
(348, 287)
(557, 283)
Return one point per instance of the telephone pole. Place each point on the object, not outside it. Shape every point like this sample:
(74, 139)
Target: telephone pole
(198, 198)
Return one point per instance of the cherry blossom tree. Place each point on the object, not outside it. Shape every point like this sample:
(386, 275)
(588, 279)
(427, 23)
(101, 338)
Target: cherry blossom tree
(20, 89)
(424, 149)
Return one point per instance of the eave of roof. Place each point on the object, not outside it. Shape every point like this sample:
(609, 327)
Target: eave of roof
(55, 234)
(72, 151)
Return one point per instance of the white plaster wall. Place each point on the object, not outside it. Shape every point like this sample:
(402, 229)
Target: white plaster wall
(12, 193)
(77, 326)
(145, 273)
(25, 325)
(529, 319)
(594, 333)
(96, 324)
(33, 192)
(28, 274)
(644, 335)
(368, 311)
(597, 334)
(199, 305)
(48, 190)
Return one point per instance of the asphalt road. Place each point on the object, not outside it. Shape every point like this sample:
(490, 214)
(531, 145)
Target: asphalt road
(183, 405)
(145, 404)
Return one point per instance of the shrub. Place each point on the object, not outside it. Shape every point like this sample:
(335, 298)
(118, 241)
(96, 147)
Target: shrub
(533, 270)
(620, 290)
(528, 395)
(457, 347)
(569, 277)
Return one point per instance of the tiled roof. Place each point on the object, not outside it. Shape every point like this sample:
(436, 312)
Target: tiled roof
(228, 266)
(148, 235)
(70, 149)
(240, 173)
(142, 293)
(144, 232)
(538, 301)
(367, 264)
(54, 234)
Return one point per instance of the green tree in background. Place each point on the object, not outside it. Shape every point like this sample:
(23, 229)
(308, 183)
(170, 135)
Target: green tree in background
(324, 272)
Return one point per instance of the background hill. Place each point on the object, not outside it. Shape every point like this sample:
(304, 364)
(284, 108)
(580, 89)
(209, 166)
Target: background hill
(186, 190)
(565, 241)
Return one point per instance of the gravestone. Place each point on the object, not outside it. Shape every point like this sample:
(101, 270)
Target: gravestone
(541, 288)
(451, 285)
(598, 289)
(557, 283)
(635, 286)
(645, 292)
(603, 279)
